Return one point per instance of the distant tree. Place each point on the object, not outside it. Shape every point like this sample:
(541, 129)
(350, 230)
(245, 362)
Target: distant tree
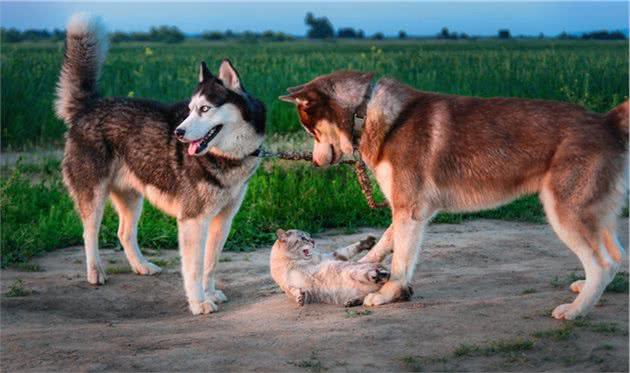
(463, 35)
(213, 35)
(320, 28)
(504, 34)
(166, 34)
(604, 35)
(58, 35)
(378, 36)
(541, 36)
(361, 34)
(10, 35)
(402, 35)
(445, 34)
(347, 33)
(565, 36)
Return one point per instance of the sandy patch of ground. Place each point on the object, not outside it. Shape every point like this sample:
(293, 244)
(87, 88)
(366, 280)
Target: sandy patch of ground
(487, 284)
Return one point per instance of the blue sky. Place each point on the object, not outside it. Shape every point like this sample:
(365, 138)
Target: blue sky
(417, 18)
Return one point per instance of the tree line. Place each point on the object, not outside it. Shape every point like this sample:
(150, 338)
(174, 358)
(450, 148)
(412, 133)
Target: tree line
(318, 28)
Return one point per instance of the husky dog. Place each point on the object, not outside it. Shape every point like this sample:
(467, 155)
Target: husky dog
(307, 276)
(127, 149)
(433, 152)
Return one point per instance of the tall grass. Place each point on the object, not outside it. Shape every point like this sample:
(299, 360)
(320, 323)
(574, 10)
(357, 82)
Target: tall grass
(38, 215)
(594, 74)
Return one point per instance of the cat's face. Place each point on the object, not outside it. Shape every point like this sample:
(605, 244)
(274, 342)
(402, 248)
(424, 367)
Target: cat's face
(296, 244)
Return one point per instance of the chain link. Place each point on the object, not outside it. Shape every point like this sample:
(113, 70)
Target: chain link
(359, 167)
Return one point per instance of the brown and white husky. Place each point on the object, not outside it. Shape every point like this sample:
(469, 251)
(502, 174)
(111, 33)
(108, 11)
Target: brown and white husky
(191, 159)
(433, 152)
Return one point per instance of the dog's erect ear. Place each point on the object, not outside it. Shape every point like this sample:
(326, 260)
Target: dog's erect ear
(204, 73)
(281, 234)
(296, 88)
(229, 76)
(302, 97)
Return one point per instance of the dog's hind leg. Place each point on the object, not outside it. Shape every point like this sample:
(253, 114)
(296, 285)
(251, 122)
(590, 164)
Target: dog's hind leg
(581, 229)
(128, 204)
(219, 230)
(91, 213)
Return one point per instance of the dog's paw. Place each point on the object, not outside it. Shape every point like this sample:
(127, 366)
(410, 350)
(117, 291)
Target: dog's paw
(353, 302)
(378, 275)
(375, 299)
(566, 312)
(96, 274)
(217, 296)
(202, 308)
(146, 268)
(577, 286)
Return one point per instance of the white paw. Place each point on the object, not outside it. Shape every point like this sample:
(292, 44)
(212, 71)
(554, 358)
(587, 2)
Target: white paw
(217, 296)
(96, 274)
(577, 286)
(566, 312)
(146, 268)
(202, 308)
(374, 299)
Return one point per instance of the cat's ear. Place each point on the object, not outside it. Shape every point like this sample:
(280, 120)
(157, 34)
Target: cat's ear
(281, 234)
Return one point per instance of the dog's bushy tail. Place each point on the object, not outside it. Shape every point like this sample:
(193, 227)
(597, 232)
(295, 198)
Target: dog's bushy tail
(86, 47)
(619, 117)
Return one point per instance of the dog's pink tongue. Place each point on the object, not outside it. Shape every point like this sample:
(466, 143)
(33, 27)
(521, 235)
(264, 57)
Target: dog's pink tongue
(192, 148)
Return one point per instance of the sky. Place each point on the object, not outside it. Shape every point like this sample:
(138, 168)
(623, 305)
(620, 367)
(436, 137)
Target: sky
(416, 18)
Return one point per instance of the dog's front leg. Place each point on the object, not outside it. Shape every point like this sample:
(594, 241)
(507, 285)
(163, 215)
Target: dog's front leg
(407, 237)
(383, 247)
(192, 235)
(219, 231)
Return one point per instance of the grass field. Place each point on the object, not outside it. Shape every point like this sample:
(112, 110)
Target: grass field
(37, 214)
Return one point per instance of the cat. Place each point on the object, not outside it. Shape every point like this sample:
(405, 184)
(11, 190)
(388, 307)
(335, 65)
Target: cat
(307, 276)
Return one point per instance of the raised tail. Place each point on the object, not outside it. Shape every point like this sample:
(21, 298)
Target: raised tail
(86, 47)
(619, 117)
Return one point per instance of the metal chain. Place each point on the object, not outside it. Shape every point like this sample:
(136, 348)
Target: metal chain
(359, 167)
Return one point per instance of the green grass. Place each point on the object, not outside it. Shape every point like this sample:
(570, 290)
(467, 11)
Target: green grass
(38, 215)
(353, 314)
(493, 348)
(118, 270)
(619, 283)
(17, 289)
(593, 73)
(27, 267)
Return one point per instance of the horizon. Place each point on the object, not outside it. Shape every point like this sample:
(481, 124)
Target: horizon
(416, 19)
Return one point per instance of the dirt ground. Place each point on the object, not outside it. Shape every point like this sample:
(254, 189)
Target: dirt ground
(490, 285)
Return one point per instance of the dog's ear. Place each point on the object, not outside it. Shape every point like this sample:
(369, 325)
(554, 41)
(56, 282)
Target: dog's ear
(303, 97)
(229, 76)
(204, 72)
(281, 234)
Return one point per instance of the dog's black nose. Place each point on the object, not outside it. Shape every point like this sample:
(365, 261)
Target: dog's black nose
(179, 133)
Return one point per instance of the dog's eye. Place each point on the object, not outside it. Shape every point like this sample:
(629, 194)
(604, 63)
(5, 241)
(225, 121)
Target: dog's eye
(204, 109)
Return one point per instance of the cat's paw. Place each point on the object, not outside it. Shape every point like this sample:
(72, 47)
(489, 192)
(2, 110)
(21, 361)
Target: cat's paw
(378, 275)
(300, 297)
(367, 243)
(353, 302)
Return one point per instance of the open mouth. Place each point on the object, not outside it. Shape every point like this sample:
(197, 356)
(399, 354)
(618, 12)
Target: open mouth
(306, 252)
(198, 146)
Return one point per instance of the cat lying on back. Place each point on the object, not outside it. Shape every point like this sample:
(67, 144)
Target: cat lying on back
(307, 276)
